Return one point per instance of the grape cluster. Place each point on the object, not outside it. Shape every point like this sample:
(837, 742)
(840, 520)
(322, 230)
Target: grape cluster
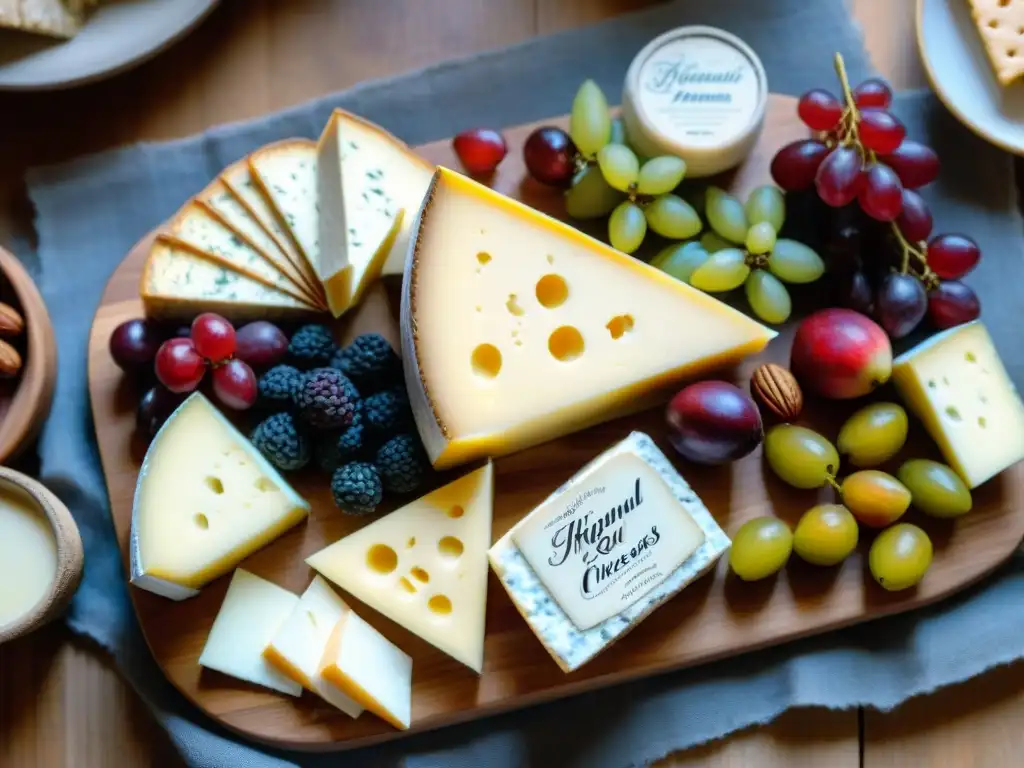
(603, 176)
(861, 163)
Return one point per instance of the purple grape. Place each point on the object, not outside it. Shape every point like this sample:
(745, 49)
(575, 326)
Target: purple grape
(134, 343)
(901, 304)
(260, 344)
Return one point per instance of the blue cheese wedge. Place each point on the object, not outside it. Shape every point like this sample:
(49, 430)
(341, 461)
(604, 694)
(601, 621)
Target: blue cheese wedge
(178, 284)
(625, 534)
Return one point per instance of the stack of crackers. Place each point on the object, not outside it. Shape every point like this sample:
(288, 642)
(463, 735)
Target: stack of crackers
(55, 18)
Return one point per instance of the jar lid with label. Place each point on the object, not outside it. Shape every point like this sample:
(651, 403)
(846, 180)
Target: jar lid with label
(698, 93)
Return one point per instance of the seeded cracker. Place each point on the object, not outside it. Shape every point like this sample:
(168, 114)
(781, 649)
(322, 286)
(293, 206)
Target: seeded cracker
(1001, 25)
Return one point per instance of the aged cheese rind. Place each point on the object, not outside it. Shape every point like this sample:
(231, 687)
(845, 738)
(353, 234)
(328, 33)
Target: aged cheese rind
(568, 646)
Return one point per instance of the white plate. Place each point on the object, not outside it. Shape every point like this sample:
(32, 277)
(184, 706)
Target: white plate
(958, 68)
(116, 37)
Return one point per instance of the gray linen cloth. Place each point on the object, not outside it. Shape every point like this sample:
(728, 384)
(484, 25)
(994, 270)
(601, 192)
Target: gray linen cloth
(90, 212)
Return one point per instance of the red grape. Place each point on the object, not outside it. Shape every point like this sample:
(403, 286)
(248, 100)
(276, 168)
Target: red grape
(855, 293)
(819, 110)
(915, 220)
(914, 163)
(154, 409)
(901, 304)
(872, 93)
(713, 422)
(178, 365)
(213, 336)
(952, 256)
(134, 343)
(234, 384)
(839, 177)
(550, 156)
(260, 344)
(952, 303)
(881, 197)
(480, 150)
(794, 166)
(880, 131)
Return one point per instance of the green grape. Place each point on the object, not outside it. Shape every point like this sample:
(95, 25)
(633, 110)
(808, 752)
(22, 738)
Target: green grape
(873, 435)
(627, 227)
(900, 557)
(723, 271)
(766, 204)
(794, 262)
(800, 456)
(760, 238)
(590, 123)
(660, 175)
(619, 166)
(826, 534)
(935, 489)
(768, 297)
(875, 498)
(590, 197)
(671, 216)
(760, 548)
(725, 215)
(711, 242)
(618, 135)
(680, 259)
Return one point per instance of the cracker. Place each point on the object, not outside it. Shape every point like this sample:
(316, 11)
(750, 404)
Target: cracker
(1001, 25)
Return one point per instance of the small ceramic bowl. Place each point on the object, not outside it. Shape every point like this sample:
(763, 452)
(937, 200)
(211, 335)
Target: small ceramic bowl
(70, 557)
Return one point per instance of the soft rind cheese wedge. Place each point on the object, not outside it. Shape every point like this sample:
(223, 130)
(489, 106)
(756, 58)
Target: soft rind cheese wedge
(298, 646)
(179, 284)
(958, 387)
(371, 669)
(568, 645)
(424, 566)
(252, 611)
(204, 501)
(517, 328)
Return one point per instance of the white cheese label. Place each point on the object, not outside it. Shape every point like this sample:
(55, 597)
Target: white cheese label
(700, 90)
(608, 539)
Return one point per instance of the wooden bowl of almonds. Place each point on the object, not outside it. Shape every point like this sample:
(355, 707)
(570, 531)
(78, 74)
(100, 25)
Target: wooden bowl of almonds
(28, 358)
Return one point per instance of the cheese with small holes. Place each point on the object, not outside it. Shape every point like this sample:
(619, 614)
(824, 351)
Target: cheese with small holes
(252, 611)
(517, 328)
(424, 566)
(1000, 24)
(623, 535)
(957, 385)
(371, 669)
(366, 181)
(205, 500)
(300, 642)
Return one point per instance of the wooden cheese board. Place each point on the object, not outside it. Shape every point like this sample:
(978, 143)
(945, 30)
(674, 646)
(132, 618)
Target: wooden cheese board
(716, 617)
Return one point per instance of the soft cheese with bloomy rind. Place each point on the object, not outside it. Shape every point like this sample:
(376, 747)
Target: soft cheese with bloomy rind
(424, 566)
(517, 328)
(252, 611)
(570, 646)
(957, 385)
(205, 500)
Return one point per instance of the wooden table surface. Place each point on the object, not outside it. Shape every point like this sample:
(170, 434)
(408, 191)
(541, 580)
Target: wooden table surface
(61, 704)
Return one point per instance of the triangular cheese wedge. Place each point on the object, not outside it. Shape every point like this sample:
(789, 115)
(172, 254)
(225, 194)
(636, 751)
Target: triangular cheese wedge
(424, 566)
(366, 180)
(205, 500)
(517, 328)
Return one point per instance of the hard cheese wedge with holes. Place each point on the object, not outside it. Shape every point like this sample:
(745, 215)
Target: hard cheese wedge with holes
(205, 500)
(958, 386)
(999, 23)
(299, 644)
(517, 328)
(424, 566)
(252, 612)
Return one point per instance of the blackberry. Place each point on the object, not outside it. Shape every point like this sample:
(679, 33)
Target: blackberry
(278, 438)
(387, 413)
(402, 463)
(370, 362)
(327, 399)
(312, 346)
(279, 386)
(356, 488)
(332, 449)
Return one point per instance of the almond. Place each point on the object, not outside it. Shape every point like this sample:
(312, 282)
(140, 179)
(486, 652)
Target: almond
(11, 321)
(10, 361)
(777, 390)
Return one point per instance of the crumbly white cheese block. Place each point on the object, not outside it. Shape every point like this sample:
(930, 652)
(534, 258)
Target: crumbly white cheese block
(179, 284)
(53, 18)
(371, 669)
(299, 644)
(517, 328)
(424, 566)
(570, 646)
(252, 611)
(205, 500)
